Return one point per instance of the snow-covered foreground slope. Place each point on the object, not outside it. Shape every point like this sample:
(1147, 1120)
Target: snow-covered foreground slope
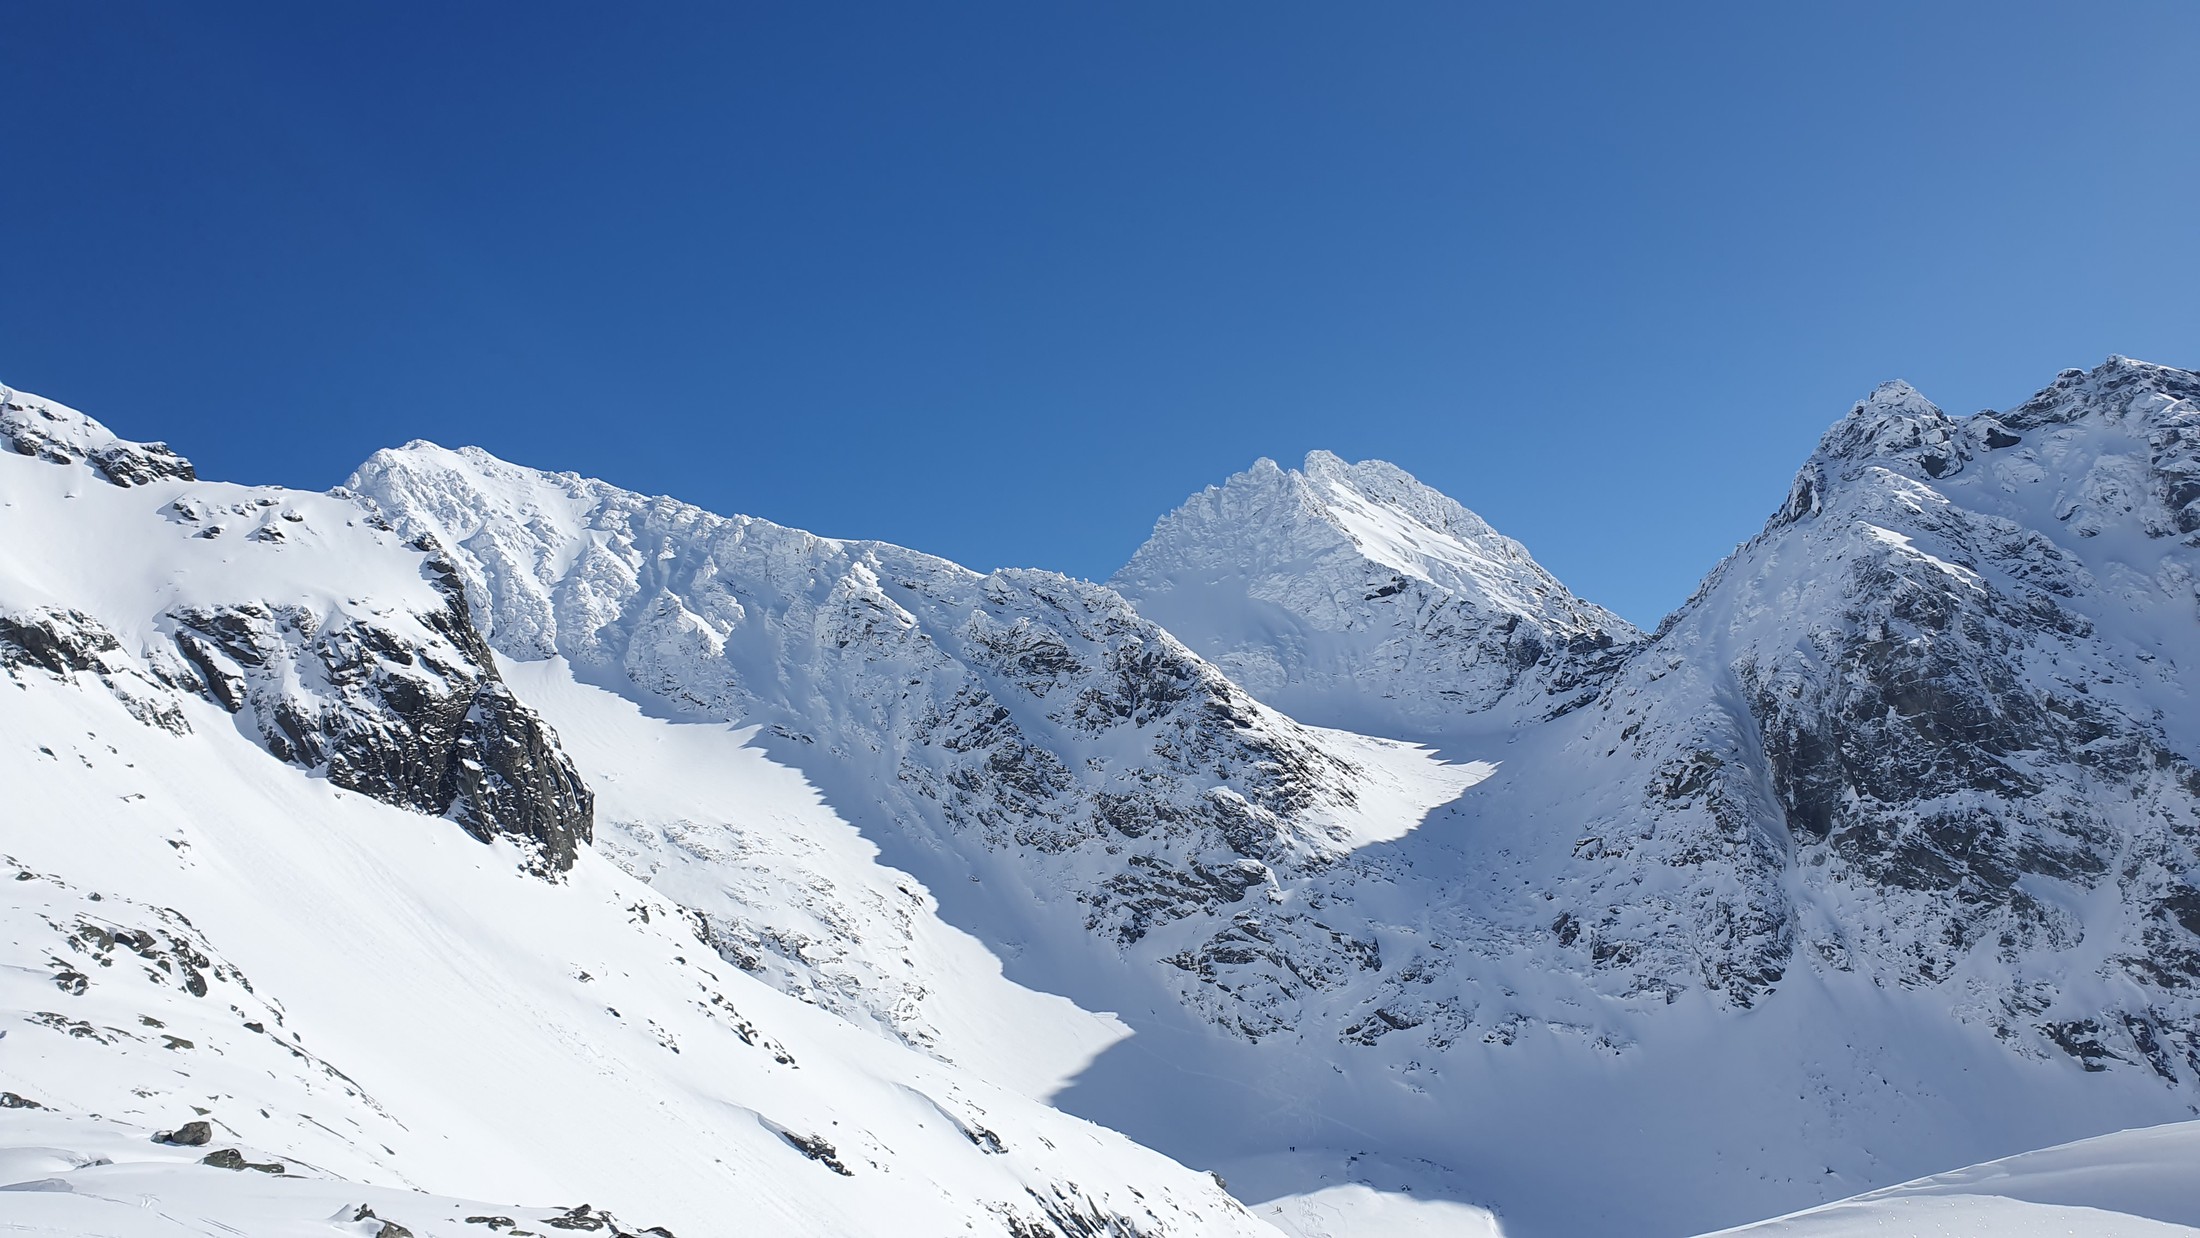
(69, 1177)
(375, 997)
(2132, 1184)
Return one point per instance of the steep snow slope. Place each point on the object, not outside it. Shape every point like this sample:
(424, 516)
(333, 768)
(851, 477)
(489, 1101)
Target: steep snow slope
(1352, 595)
(1082, 791)
(372, 998)
(784, 888)
(1936, 726)
(2132, 1184)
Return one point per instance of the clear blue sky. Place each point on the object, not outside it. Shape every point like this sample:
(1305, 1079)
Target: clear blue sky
(1007, 281)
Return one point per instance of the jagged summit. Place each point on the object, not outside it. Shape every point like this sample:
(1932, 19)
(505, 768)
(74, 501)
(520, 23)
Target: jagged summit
(2116, 387)
(1949, 672)
(2149, 411)
(33, 426)
(1353, 594)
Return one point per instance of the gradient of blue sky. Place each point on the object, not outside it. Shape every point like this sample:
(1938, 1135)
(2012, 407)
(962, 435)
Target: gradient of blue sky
(1007, 281)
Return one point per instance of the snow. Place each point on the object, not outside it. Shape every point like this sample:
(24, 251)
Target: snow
(1342, 852)
(1353, 1209)
(705, 816)
(1351, 595)
(424, 1015)
(2131, 1184)
(1902, 543)
(448, 986)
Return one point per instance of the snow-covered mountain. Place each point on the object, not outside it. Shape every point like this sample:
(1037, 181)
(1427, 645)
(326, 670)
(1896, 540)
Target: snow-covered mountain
(1879, 856)
(1022, 731)
(241, 898)
(1939, 717)
(1352, 595)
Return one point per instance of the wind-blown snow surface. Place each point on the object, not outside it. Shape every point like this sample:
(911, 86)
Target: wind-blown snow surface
(2132, 1184)
(372, 998)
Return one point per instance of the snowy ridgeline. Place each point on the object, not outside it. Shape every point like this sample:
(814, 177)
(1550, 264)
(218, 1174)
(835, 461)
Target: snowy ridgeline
(345, 988)
(1878, 856)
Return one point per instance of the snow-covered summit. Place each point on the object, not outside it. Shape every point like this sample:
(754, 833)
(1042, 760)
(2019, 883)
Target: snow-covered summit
(1934, 718)
(1354, 595)
(58, 434)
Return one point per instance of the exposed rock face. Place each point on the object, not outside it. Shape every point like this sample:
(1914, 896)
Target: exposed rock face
(58, 434)
(396, 697)
(1928, 726)
(421, 723)
(1353, 595)
(67, 644)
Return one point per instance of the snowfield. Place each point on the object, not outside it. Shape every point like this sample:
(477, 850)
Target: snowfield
(2132, 1184)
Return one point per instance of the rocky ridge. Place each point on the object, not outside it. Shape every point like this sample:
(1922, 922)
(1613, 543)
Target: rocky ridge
(1034, 729)
(398, 701)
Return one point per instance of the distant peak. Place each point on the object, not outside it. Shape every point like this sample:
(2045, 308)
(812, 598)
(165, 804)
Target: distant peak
(2117, 386)
(1894, 394)
(33, 426)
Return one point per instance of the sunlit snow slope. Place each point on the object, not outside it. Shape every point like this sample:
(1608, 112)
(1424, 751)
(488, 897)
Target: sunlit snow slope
(378, 999)
(2132, 1184)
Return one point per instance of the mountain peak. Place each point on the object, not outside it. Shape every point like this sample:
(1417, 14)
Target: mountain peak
(1321, 463)
(33, 426)
(1894, 393)
(2117, 387)
(1307, 585)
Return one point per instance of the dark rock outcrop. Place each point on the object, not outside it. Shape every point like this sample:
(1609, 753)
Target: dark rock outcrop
(30, 426)
(189, 1135)
(418, 719)
(230, 1158)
